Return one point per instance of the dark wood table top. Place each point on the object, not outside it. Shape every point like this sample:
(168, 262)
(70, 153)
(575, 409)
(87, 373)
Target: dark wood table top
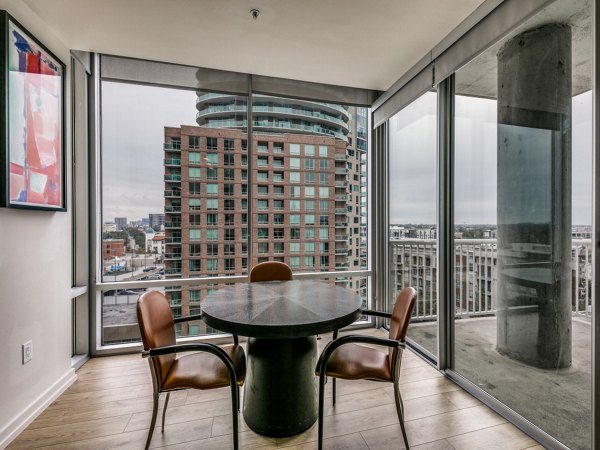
(281, 309)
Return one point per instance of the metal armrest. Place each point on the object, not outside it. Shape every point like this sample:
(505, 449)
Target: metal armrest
(370, 312)
(333, 345)
(199, 347)
(187, 318)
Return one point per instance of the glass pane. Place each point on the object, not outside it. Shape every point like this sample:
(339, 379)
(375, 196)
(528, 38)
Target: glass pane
(174, 196)
(311, 166)
(119, 319)
(413, 217)
(523, 222)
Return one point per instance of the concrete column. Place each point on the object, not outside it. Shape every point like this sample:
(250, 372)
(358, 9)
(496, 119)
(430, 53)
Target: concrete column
(534, 197)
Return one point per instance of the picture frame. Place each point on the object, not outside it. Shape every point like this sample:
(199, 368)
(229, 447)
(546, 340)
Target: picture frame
(32, 129)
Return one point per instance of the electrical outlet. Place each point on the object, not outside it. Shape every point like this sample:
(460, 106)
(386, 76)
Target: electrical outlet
(27, 351)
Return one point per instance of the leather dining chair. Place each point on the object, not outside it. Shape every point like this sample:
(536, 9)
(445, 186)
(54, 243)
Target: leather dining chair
(343, 358)
(208, 367)
(271, 271)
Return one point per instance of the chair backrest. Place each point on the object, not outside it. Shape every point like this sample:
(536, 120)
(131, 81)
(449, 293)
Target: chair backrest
(399, 325)
(271, 271)
(157, 329)
(401, 313)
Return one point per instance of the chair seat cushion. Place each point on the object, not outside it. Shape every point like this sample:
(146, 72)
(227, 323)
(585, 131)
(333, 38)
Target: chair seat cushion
(203, 370)
(357, 362)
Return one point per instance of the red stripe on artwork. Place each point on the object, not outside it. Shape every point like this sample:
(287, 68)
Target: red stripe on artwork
(16, 169)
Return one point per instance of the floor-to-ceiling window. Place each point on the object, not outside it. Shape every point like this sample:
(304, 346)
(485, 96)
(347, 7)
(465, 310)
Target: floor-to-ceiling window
(413, 214)
(522, 221)
(310, 172)
(191, 191)
(174, 198)
(507, 162)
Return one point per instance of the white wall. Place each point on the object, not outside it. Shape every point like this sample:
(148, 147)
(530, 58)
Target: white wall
(35, 282)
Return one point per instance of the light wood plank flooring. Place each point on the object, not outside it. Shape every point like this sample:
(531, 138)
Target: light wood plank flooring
(110, 405)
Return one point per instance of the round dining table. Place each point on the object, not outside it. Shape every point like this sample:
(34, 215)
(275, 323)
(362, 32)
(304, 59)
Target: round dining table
(281, 320)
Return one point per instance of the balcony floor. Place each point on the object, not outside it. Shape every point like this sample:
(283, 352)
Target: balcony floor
(109, 406)
(556, 400)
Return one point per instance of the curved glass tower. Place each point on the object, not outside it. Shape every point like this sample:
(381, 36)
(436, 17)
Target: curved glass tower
(273, 115)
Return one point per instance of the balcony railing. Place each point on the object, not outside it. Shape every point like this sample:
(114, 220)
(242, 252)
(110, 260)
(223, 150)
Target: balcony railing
(413, 263)
(209, 96)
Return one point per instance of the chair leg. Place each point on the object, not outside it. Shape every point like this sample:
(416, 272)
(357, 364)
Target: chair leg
(234, 413)
(321, 413)
(153, 421)
(400, 411)
(333, 381)
(165, 411)
(238, 397)
(335, 336)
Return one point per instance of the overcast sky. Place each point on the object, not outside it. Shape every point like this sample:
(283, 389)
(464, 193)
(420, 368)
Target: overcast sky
(133, 121)
(134, 117)
(413, 161)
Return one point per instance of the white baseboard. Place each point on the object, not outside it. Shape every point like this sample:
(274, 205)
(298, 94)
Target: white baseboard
(28, 415)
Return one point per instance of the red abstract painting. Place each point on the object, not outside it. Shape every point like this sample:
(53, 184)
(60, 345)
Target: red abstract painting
(34, 124)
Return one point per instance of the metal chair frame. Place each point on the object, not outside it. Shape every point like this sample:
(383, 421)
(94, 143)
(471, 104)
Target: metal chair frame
(398, 347)
(201, 347)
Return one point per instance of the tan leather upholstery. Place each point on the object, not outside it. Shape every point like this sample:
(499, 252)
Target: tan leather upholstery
(343, 358)
(271, 271)
(198, 369)
(401, 318)
(157, 328)
(401, 314)
(205, 370)
(357, 362)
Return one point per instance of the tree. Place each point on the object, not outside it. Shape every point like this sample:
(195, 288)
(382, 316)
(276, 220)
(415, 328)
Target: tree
(139, 236)
(115, 235)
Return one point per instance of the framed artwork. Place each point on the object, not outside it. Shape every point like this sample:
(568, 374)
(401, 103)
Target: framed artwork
(32, 149)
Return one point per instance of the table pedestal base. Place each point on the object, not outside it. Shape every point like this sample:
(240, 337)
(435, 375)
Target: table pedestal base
(281, 389)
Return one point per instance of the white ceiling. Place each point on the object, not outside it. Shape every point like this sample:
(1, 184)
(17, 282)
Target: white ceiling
(360, 43)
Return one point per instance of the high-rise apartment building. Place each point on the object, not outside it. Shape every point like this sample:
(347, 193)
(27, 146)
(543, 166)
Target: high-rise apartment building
(308, 195)
(121, 222)
(156, 221)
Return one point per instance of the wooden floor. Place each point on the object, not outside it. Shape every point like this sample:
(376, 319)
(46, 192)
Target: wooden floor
(110, 405)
